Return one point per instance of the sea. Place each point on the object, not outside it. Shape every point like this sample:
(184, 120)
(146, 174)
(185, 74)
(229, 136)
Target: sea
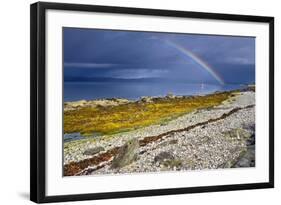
(74, 91)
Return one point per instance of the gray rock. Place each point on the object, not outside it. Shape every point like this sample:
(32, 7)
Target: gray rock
(247, 159)
(93, 151)
(238, 133)
(163, 156)
(127, 154)
(251, 140)
(243, 162)
(173, 163)
(166, 159)
(146, 99)
(142, 152)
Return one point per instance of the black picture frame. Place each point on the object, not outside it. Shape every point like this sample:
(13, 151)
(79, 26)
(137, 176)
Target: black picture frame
(38, 101)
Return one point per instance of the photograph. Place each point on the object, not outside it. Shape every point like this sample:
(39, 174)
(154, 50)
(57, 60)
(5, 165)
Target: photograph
(151, 102)
(134, 102)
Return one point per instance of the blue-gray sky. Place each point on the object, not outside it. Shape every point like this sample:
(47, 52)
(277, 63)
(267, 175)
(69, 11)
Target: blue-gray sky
(100, 55)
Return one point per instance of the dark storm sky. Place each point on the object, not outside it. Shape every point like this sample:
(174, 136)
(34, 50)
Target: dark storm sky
(100, 55)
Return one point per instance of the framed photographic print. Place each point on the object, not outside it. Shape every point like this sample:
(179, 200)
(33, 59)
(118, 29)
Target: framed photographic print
(129, 102)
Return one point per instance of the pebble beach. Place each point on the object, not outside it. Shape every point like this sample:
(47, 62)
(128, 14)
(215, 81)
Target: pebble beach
(219, 137)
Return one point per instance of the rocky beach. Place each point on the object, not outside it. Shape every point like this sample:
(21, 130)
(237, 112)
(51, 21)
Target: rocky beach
(210, 136)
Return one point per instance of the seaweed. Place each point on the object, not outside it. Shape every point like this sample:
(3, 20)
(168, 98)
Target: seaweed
(125, 117)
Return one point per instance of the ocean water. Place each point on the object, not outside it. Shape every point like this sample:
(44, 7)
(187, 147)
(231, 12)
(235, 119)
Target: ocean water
(74, 91)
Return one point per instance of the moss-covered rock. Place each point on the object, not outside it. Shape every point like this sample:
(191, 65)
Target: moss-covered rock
(238, 134)
(127, 154)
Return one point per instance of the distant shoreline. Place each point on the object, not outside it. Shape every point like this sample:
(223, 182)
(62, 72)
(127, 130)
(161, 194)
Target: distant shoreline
(169, 95)
(96, 91)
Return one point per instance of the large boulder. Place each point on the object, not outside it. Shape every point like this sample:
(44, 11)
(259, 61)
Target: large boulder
(163, 156)
(167, 160)
(127, 154)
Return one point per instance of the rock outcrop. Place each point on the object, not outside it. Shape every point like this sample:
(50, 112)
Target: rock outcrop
(94, 103)
(127, 154)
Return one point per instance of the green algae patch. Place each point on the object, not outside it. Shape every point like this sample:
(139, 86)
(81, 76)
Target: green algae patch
(126, 117)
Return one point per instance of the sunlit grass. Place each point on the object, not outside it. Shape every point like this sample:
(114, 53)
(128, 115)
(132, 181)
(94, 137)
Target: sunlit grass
(110, 120)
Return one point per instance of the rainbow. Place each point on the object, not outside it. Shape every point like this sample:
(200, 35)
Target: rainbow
(197, 59)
